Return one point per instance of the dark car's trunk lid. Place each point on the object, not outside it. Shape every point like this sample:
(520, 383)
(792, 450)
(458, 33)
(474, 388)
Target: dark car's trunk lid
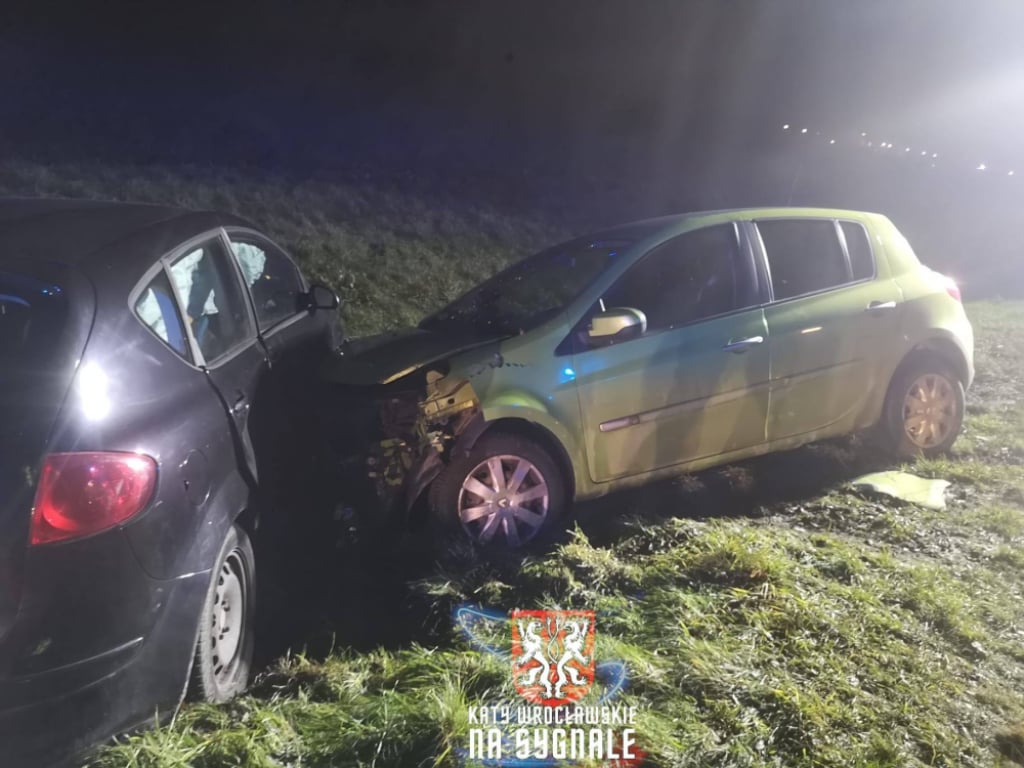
(45, 315)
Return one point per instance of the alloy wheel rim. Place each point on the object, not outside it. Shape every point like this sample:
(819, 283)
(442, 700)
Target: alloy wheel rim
(228, 620)
(929, 410)
(504, 496)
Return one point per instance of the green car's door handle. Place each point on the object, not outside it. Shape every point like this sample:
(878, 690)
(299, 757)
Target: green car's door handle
(742, 345)
(875, 306)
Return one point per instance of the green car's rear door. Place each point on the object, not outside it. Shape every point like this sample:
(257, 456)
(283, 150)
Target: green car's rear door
(830, 317)
(695, 384)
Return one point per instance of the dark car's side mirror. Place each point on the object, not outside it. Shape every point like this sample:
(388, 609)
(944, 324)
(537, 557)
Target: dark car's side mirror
(321, 297)
(615, 325)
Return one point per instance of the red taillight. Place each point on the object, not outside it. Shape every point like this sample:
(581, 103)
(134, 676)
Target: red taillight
(952, 288)
(84, 493)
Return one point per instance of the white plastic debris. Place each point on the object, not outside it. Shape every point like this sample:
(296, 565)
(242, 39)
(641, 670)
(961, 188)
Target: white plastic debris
(903, 485)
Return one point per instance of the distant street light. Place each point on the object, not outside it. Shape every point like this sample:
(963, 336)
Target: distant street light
(885, 145)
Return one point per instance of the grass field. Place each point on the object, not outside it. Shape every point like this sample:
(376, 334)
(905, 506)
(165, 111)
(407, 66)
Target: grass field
(768, 615)
(391, 249)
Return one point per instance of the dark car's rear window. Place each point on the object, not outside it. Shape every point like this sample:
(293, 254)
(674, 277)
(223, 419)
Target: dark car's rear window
(33, 318)
(44, 320)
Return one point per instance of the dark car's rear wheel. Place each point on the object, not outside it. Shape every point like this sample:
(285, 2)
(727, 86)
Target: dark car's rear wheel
(504, 493)
(924, 410)
(224, 650)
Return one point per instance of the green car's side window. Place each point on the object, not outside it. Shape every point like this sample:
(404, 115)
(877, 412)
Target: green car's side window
(804, 256)
(858, 246)
(694, 276)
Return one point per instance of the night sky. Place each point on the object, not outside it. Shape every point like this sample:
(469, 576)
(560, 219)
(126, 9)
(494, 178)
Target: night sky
(946, 73)
(667, 104)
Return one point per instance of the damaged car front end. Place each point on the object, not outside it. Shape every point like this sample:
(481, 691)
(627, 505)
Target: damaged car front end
(408, 405)
(396, 421)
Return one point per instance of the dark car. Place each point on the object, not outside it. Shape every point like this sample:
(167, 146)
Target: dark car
(152, 366)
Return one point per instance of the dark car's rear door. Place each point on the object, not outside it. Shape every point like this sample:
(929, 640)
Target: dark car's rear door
(46, 311)
(223, 336)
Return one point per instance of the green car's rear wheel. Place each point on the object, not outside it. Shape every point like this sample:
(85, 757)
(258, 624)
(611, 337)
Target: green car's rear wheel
(504, 493)
(924, 410)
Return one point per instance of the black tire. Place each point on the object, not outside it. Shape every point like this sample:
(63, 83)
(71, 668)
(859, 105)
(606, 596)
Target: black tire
(223, 655)
(908, 439)
(514, 526)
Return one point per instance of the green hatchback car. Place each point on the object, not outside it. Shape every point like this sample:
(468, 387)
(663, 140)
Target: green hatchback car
(653, 348)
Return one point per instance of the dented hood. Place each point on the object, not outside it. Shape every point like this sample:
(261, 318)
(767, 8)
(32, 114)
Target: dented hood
(389, 356)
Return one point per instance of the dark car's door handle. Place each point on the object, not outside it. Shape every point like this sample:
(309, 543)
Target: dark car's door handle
(241, 404)
(876, 306)
(742, 345)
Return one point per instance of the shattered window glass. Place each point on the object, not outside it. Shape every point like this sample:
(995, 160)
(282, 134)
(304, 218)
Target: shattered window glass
(273, 281)
(215, 307)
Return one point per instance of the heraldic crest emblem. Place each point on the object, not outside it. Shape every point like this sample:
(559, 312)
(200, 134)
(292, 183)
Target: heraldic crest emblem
(553, 655)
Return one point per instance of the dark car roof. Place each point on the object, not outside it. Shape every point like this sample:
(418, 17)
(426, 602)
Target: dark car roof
(80, 231)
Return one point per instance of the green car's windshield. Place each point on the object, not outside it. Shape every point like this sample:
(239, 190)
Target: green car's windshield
(529, 292)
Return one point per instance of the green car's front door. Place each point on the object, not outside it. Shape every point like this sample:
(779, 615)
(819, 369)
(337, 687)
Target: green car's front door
(695, 383)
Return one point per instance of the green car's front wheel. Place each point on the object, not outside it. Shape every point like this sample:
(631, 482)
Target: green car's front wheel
(505, 492)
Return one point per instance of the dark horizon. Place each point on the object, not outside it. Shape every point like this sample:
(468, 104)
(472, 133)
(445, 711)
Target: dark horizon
(619, 110)
(945, 74)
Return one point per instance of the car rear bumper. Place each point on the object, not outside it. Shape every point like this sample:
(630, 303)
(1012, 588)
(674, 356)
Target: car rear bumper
(49, 717)
(52, 731)
(968, 344)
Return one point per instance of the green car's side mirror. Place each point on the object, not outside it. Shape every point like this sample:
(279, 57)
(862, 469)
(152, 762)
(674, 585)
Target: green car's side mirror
(615, 325)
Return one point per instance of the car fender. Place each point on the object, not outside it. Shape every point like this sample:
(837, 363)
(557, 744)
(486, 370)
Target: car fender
(945, 344)
(226, 505)
(524, 406)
